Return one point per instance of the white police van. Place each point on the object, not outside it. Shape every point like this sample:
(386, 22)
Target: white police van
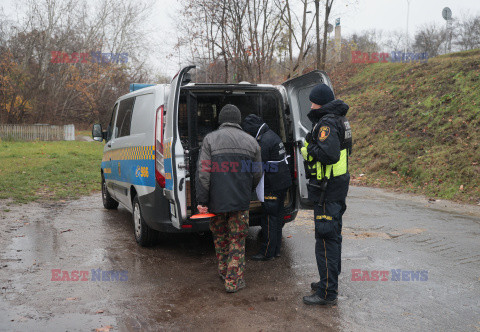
(154, 137)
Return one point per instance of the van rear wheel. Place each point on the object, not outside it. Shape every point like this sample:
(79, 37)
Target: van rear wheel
(108, 201)
(144, 235)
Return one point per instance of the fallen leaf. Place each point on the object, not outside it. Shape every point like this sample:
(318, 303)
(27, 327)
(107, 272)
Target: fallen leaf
(104, 328)
(461, 187)
(289, 236)
(251, 308)
(99, 312)
(71, 298)
(20, 236)
(68, 230)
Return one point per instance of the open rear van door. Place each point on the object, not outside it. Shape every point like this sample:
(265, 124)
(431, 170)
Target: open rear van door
(298, 89)
(174, 155)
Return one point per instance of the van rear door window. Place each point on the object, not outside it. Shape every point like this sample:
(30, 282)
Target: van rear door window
(124, 117)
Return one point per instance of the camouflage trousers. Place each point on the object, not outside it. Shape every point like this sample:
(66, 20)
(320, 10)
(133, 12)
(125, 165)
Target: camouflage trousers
(230, 230)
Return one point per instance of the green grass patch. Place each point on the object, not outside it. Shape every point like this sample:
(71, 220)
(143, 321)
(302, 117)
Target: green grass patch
(417, 126)
(49, 170)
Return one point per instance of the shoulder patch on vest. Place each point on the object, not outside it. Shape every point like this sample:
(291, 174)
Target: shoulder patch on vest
(323, 133)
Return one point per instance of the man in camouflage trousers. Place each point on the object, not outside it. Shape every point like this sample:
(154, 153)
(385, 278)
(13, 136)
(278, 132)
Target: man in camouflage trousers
(224, 187)
(230, 231)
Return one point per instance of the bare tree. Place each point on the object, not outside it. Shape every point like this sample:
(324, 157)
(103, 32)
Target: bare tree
(430, 39)
(367, 40)
(298, 35)
(328, 9)
(468, 36)
(395, 41)
(40, 90)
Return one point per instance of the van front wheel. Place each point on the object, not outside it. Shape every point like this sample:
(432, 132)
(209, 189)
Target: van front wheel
(108, 201)
(144, 235)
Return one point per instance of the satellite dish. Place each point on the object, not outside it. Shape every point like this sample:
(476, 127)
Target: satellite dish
(329, 28)
(447, 13)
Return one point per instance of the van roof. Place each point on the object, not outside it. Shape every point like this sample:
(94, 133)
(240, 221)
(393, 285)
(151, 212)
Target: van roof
(149, 89)
(235, 86)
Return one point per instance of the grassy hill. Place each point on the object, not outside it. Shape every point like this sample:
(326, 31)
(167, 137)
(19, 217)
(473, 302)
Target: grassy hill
(416, 126)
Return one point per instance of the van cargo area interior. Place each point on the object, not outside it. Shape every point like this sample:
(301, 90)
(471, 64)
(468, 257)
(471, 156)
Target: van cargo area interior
(198, 112)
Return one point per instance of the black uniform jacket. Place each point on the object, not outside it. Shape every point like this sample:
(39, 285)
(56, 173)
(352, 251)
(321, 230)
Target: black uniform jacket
(277, 172)
(325, 147)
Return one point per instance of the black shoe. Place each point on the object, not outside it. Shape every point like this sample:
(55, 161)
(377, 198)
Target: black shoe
(315, 286)
(315, 299)
(260, 257)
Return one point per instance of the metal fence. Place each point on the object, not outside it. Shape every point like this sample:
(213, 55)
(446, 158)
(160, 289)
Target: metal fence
(37, 132)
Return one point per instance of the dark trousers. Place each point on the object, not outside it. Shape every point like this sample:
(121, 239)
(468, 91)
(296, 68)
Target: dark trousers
(272, 223)
(328, 246)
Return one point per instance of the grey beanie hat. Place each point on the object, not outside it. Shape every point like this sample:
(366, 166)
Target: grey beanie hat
(230, 113)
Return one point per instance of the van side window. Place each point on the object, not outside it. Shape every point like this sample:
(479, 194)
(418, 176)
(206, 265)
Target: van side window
(143, 108)
(110, 124)
(124, 117)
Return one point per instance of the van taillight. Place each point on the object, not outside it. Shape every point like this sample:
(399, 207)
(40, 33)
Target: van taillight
(160, 179)
(159, 169)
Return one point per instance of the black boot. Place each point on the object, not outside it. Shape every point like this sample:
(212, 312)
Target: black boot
(261, 257)
(315, 299)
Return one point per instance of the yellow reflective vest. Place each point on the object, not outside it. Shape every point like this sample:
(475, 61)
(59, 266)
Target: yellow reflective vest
(337, 169)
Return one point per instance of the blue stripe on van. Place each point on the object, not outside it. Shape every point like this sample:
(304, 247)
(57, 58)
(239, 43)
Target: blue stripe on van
(137, 172)
(168, 173)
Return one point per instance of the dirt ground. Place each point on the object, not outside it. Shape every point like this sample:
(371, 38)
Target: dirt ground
(174, 285)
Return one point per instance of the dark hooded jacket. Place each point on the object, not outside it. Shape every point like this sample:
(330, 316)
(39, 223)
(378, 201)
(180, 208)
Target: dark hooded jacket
(326, 149)
(277, 173)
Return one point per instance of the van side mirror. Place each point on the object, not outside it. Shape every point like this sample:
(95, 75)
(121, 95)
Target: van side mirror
(97, 132)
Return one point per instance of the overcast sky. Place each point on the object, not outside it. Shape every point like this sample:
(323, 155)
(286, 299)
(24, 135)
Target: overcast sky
(386, 15)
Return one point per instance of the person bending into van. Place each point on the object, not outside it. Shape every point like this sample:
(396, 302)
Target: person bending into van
(224, 187)
(276, 182)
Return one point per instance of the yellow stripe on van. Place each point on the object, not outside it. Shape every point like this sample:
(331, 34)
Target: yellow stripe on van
(134, 153)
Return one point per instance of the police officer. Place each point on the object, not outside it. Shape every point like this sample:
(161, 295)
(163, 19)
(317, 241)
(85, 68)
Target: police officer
(326, 151)
(277, 180)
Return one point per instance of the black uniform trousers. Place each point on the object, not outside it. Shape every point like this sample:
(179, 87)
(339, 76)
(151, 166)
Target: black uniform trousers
(272, 223)
(328, 246)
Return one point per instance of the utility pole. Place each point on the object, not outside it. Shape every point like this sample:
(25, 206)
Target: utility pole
(317, 18)
(407, 40)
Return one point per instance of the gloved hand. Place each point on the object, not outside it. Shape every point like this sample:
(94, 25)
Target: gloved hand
(308, 138)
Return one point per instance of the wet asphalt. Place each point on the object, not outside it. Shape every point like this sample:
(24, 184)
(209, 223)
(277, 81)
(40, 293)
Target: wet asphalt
(174, 285)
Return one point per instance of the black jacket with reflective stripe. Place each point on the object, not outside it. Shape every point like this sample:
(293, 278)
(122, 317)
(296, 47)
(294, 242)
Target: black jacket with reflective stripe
(277, 172)
(327, 141)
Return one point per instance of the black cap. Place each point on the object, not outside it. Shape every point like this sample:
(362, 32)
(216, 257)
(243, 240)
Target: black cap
(321, 95)
(230, 113)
